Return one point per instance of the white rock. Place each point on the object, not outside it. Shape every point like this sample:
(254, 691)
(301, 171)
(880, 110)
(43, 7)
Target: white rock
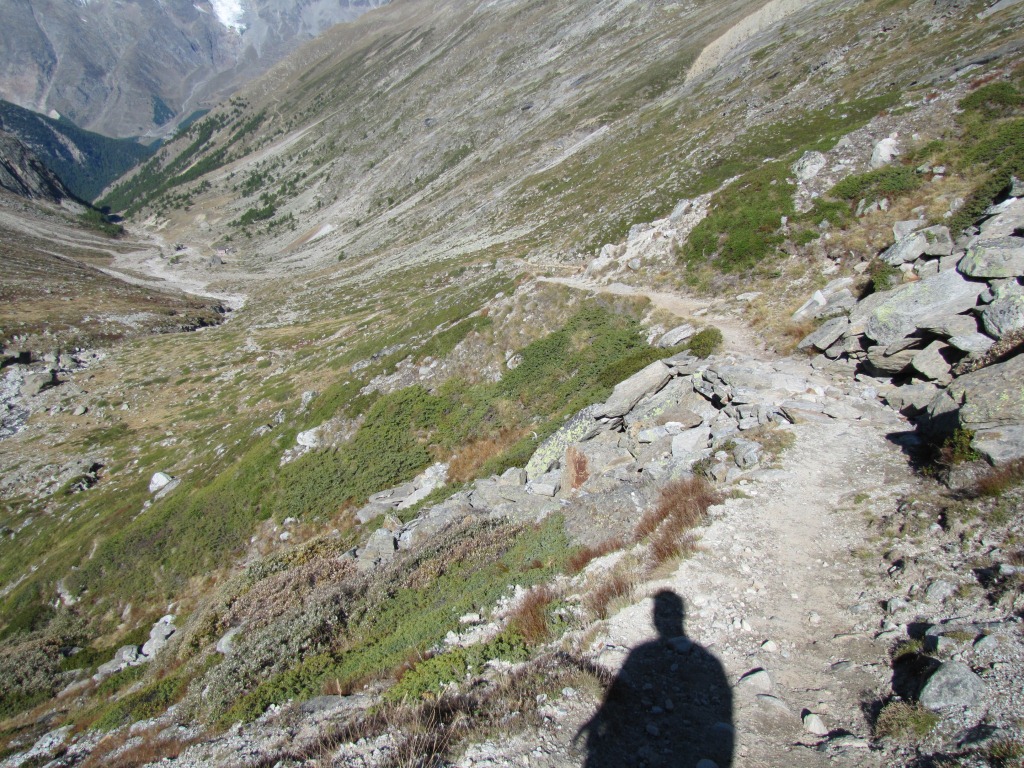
(158, 481)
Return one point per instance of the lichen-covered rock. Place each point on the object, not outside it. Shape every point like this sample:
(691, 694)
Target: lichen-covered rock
(580, 427)
(1003, 316)
(903, 309)
(992, 397)
(1003, 257)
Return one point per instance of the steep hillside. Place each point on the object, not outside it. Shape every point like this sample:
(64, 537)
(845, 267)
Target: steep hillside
(543, 310)
(517, 129)
(21, 172)
(86, 162)
(142, 67)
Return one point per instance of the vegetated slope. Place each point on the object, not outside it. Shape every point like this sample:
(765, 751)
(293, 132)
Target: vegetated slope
(55, 295)
(517, 128)
(86, 162)
(141, 68)
(418, 296)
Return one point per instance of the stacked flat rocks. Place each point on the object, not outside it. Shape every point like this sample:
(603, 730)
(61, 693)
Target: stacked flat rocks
(959, 299)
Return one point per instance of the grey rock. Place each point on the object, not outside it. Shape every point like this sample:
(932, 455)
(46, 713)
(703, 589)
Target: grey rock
(825, 336)
(930, 363)
(747, 453)
(226, 644)
(36, 382)
(755, 681)
(1003, 316)
(949, 325)
(158, 636)
(898, 314)
(629, 392)
(1003, 257)
(815, 725)
(911, 399)
(158, 481)
(809, 165)
(513, 477)
(1000, 444)
(902, 229)
(676, 336)
(879, 363)
(952, 685)
(546, 485)
(939, 590)
(984, 399)
(938, 241)
(691, 441)
(972, 343)
(884, 152)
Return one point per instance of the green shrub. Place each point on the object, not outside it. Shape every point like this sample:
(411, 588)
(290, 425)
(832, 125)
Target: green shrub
(433, 674)
(706, 342)
(151, 701)
(882, 276)
(744, 223)
(993, 100)
(889, 182)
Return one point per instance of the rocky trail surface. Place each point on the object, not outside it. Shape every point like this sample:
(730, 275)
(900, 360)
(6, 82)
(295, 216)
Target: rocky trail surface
(776, 598)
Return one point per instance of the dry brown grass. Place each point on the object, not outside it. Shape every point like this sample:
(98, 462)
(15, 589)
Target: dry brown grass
(998, 480)
(583, 556)
(576, 470)
(465, 465)
(683, 505)
(530, 618)
(111, 751)
(618, 583)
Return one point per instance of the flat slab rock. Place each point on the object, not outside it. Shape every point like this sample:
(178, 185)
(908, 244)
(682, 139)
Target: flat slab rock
(896, 314)
(629, 392)
(1001, 257)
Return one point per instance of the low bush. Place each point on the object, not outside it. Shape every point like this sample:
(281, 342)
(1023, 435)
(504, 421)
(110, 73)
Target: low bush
(905, 722)
(705, 342)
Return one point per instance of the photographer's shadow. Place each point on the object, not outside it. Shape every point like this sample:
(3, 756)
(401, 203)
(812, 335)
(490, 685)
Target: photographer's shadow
(670, 705)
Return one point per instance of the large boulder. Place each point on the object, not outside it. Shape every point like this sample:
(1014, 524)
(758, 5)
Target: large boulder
(951, 686)
(989, 400)
(1003, 316)
(629, 392)
(901, 311)
(825, 336)
(580, 427)
(1003, 257)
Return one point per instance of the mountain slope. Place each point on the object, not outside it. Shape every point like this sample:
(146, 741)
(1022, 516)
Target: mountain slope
(515, 129)
(141, 67)
(87, 162)
(21, 172)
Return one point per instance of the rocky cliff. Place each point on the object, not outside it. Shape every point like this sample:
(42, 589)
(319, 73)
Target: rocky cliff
(139, 68)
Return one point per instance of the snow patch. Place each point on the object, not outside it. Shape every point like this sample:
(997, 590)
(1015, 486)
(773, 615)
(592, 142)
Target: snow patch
(229, 13)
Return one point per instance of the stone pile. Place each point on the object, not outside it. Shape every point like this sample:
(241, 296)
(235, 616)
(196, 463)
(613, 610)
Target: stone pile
(674, 418)
(958, 300)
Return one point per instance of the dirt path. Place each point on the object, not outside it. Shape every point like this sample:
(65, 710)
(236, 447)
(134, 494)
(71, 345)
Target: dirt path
(737, 336)
(777, 585)
(779, 567)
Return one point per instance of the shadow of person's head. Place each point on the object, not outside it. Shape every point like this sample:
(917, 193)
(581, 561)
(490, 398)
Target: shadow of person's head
(668, 614)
